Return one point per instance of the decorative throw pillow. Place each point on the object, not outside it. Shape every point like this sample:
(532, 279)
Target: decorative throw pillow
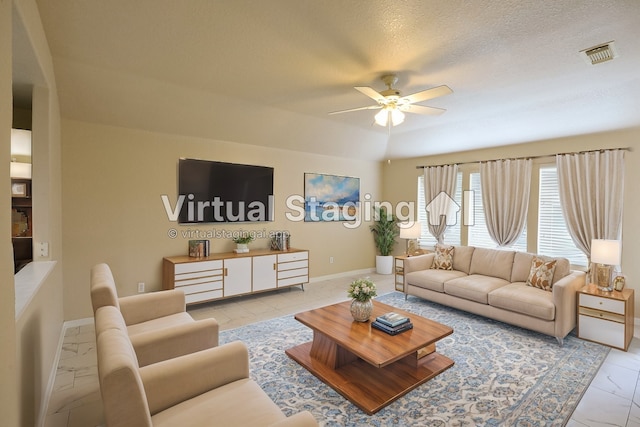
(444, 258)
(541, 274)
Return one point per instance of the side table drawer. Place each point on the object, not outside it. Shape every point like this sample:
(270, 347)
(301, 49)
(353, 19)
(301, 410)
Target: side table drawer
(602, 331)
(599, 314)
(599, 303)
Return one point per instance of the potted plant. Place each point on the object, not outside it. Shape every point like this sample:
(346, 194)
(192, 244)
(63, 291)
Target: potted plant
(242, 242)
(361, 291)
(385, 230)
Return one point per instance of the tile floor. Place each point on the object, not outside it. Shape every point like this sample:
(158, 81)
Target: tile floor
(613, 399)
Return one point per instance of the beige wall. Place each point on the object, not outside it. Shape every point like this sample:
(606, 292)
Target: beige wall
(30, 354)
(8, 357)
(113, 179)
(400, 178)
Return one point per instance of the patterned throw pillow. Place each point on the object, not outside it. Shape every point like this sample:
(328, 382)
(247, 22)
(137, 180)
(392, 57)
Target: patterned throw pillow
(541, 274)
(444, 258)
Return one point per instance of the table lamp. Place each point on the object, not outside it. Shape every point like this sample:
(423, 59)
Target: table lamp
(410, 231)
(605, 253)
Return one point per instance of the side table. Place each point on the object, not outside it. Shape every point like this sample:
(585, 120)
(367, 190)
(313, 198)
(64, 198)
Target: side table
(606, 317)
(399, 271)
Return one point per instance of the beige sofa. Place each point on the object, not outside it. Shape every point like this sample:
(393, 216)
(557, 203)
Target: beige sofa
(206, 388)
(157, 323)
(492, 283)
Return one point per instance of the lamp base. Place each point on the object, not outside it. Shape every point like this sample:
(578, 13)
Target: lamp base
(603, 277)
(411, 247)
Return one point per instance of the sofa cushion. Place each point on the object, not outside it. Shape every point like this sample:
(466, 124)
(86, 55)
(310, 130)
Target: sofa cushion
(541, 274)
(462, 258)
(432, 279)
(524, 299)
(492, 262)
(444, 258)
(522, 267)
(474, 287)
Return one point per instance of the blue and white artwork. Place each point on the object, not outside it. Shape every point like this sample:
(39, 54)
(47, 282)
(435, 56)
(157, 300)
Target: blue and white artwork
(330, 197)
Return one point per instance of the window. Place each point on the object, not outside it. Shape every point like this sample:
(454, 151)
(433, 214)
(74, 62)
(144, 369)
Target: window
(553, 237)
(452, 235)
(478, 233)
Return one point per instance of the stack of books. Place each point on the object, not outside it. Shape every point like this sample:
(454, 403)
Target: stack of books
(392, 323)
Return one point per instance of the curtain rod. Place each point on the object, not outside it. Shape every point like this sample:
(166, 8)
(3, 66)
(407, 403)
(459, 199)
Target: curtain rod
(528, 157)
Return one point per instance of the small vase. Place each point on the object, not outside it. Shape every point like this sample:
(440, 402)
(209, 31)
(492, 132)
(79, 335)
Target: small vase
(361, 310)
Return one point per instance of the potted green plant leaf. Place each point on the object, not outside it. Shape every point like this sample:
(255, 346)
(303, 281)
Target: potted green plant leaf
(385, 230)
(242, 242)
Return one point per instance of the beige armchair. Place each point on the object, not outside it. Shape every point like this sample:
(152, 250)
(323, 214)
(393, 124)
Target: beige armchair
(161, 344)
(210, 387)
(141, 313)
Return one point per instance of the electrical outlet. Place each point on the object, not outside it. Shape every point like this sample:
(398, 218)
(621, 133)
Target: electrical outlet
(44, 249)
(330, 260)
(140, 287)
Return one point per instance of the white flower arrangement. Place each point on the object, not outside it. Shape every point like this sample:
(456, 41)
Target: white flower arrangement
(362, 290)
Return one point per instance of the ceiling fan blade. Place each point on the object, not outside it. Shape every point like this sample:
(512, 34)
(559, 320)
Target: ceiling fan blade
(427, 94)
(370, 107)
(421, 109)
(371, 93)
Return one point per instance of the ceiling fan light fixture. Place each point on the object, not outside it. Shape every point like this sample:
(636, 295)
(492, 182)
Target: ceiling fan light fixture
(397, 117)
(382, 117)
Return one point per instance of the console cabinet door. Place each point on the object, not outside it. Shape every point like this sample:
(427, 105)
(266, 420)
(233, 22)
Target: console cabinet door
(264, 272)
(237, 276)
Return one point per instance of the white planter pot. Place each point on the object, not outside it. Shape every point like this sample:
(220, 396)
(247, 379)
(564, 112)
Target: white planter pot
(384, 264)
(241, 248)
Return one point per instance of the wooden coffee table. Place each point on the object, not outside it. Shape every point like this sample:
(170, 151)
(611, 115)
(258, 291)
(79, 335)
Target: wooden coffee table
(369, 367)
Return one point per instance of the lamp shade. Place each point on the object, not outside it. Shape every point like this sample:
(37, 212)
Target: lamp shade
(410, 230)
(20, 170)
(607, 252)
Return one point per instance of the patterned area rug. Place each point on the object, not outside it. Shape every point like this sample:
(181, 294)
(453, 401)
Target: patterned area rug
(503, 375)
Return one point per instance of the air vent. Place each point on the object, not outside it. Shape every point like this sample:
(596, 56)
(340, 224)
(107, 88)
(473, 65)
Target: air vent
(599, 54)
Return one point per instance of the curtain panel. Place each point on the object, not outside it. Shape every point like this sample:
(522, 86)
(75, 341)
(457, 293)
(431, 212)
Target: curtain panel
(439, 192)
(506, 186)
(591, 189)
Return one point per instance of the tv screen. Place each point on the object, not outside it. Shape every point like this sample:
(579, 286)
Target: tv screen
(224, 192)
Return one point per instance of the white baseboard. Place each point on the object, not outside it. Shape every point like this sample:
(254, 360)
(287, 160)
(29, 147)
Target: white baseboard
(343, 274)
(44, 408)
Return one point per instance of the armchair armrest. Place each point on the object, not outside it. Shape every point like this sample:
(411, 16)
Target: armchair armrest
(156, 346)
(565, 293)
(141, 308)
(175, 380)
(301, 419)
(417, 263)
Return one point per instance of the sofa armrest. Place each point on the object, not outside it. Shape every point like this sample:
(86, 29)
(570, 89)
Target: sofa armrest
(417, 263)
(565, 293)
(176, 380)
(141, 308)
(156, 346)
(301, 419)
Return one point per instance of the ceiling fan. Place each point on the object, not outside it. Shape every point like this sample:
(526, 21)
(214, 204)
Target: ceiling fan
(392, 106)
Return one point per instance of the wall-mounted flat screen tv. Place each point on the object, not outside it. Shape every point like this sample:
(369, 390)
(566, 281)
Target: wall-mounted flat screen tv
(214, 192)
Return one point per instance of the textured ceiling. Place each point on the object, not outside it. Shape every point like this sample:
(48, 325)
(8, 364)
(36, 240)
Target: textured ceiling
(267, 72)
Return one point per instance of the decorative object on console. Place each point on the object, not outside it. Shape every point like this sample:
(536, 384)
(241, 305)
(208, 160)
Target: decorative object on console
(242, 243)
(605, 253)
(618, 283)
(281, 241)
(199, 248)
(410, 231)
(362, 291)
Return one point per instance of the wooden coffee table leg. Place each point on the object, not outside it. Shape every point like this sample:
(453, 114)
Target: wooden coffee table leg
(326, 351)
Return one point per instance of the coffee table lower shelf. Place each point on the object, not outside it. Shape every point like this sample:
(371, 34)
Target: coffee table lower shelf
(368, 387)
